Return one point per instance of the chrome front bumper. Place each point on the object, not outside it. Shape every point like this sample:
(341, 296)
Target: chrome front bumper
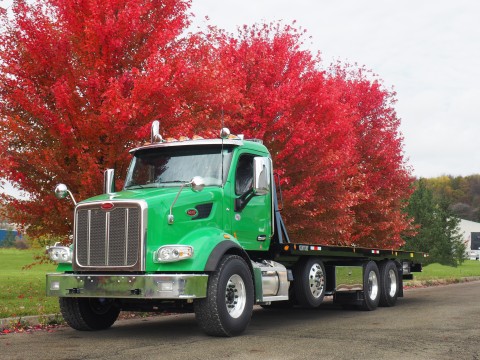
(151, 286)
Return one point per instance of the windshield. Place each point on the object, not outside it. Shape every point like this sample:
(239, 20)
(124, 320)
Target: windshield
(176, 165)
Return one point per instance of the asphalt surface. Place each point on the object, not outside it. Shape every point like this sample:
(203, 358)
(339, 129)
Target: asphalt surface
(441, 322)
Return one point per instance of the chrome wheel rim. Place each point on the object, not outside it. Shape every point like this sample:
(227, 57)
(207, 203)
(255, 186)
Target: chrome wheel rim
(393, 282)
(316, 280)
(372, 285)
(235, 296)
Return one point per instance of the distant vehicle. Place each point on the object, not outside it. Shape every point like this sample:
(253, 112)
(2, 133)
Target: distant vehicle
(474, 252)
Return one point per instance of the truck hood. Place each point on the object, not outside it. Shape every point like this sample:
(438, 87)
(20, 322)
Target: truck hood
(157, 196)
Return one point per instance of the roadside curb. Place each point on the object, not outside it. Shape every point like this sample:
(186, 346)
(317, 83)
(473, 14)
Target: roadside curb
(38, 322)
(22, 322)
(435, 282)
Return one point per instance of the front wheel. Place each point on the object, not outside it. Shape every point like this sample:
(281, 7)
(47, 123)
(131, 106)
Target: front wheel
(227, 309)
(89, 313)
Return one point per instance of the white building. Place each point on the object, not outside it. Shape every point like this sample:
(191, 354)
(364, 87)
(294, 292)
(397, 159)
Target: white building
(471, 237)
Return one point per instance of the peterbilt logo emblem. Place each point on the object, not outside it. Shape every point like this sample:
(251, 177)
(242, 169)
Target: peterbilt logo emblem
(107, 206)
(192, 212)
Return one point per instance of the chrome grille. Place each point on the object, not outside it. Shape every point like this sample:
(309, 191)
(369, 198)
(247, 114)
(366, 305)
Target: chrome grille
(107, 239)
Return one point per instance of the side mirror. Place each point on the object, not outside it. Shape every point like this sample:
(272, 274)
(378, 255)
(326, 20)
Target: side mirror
(198, 183)
(61, 192)
(261, 175)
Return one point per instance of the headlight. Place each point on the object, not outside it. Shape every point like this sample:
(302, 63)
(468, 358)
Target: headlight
(60, 254)
(171, 253)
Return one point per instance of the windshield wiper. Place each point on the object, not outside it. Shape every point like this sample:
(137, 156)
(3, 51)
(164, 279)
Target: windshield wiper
(154, 184)
(172, 181)
(132, 187)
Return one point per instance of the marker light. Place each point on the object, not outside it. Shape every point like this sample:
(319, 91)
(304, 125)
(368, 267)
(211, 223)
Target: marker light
(60, 254)
(171, 253)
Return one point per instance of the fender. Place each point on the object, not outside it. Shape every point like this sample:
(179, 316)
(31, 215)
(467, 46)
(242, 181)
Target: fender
(209, 245)
(220, 250)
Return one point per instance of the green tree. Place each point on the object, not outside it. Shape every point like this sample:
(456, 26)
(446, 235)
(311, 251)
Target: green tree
(437, 227)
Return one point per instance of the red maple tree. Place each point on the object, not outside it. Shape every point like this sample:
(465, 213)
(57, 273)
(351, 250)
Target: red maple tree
(333, 135)
(82, 81)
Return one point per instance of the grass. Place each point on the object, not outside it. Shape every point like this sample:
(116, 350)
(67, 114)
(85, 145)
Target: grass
(470, 268)
(22, 292)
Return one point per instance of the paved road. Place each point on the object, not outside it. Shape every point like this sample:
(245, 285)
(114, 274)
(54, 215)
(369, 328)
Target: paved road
(431, 323)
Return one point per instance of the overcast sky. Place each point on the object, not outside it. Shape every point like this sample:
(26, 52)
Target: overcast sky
(428, 51)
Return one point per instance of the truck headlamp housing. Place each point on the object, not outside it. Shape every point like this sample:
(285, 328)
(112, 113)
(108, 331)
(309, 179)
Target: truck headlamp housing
(171, 253)
(60, 254)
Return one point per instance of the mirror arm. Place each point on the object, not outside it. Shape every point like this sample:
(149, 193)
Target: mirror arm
(61, 191)
(170, 216)
(71, 197)
(197, 184)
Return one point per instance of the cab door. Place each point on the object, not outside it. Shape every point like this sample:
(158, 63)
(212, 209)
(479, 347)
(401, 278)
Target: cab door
(252, 215)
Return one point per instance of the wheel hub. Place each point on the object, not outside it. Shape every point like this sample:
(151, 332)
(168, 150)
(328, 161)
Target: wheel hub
(316, 280)
(235, 296)
(393, 282)
(372, 285)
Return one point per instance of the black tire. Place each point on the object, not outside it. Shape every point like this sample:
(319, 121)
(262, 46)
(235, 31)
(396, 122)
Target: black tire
(389, 283)
(309, 282)
(227, 309)
(371, 287)
(87, 314)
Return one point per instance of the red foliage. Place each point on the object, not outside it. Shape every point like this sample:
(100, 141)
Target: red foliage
(333, 136)
(82, 81)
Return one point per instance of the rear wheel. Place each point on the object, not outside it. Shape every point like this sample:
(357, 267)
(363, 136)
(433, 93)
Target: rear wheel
(389, 283)
(89, 313)
(227, 309)
(309, 282)
(371, 287)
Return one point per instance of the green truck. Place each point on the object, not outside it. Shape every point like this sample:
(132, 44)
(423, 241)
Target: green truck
(197, 228)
